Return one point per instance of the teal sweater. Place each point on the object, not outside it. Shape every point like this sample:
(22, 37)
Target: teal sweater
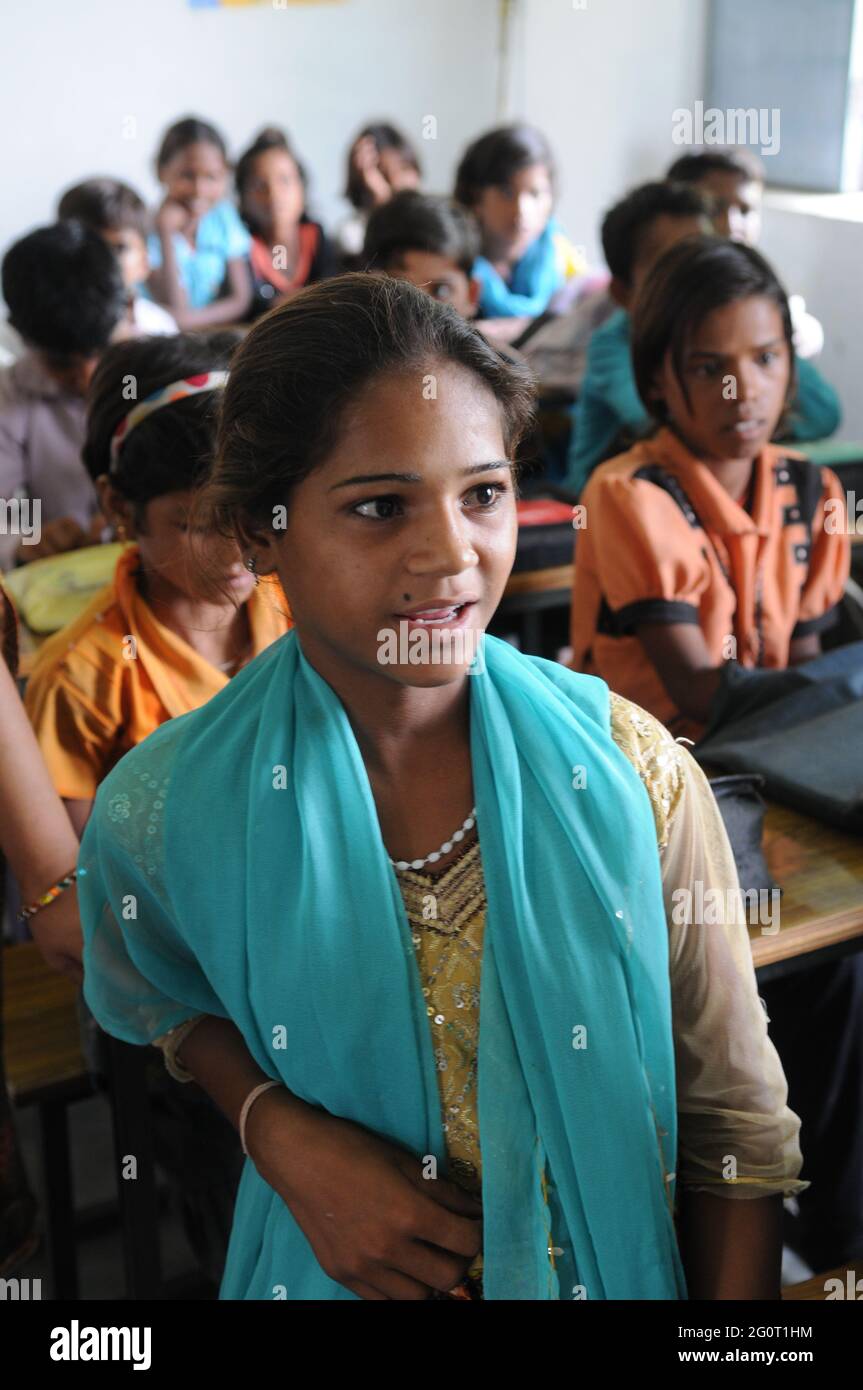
(609, 402)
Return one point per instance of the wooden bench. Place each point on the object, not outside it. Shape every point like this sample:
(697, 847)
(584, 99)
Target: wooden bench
(46, 1068)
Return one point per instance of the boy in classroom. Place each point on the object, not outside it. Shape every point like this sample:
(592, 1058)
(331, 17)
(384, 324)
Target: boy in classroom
(200, 251)
(507, 180)
(610, 414)
(429, 240)
(732, 180)
(66, 300)
(289, 249)
(433, 242)
(119, 216)
(704, 532)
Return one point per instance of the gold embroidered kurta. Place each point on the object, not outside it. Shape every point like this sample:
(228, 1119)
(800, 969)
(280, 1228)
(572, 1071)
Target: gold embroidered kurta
(736, 1135)
(731, 1089)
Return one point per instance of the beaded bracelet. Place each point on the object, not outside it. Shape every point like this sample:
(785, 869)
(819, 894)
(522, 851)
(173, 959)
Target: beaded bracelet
(46, 898)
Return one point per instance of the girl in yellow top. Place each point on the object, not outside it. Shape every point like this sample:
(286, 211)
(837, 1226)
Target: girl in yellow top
(169, 632)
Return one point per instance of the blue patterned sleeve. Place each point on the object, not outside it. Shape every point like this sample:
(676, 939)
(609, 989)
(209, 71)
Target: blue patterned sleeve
(140, 976)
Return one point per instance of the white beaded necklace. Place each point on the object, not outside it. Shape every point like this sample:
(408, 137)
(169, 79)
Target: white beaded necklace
(444, 849)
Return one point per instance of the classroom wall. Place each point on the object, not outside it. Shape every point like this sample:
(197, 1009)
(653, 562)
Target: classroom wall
(604, 80)
(819, 257)
(87, 87)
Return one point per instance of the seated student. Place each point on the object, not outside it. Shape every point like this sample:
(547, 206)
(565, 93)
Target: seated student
(115, 211)
(707, 544)
(288, 249)
(634, 234)
(200, 251)
(159, 641)
(506, 179)
(66, 299)
(705, 531)
(381, 162)
(431, 241)
(732, 180)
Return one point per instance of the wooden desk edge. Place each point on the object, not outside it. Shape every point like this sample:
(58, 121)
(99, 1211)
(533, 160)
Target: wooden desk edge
(809, 937)
(536, 581)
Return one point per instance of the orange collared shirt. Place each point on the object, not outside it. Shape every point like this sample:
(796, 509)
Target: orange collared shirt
(664, 542)
(90, 700)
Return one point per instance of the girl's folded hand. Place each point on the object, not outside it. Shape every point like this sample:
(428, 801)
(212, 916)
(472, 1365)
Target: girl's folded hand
(374, 1222)
(172, 217)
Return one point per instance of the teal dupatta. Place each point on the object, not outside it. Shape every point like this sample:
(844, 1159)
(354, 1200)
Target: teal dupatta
(264, 893)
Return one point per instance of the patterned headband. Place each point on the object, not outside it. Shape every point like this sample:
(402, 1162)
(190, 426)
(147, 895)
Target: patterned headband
(166, 395)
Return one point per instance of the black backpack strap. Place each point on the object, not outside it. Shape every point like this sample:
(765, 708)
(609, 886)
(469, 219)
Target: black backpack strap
(805, 478)
(656, 474)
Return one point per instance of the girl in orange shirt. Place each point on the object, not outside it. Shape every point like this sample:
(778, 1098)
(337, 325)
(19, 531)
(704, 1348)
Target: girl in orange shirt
(705, 544)
(168, 632)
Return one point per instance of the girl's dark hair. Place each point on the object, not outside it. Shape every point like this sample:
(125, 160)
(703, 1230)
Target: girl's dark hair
(692, 279)
(188, 131)
(625, 225)
(491, 161)
(270, 138)
(171, 450)
(106, 205)
(303, 366)
(698, 164)
(386, 137)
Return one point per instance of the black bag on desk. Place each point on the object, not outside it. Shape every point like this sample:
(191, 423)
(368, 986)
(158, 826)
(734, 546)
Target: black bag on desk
(800, 729)
(742, 808)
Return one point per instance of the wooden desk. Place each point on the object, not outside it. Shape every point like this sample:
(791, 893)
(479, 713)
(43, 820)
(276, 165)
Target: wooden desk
(553, 581)
(821, 873)
(529, 596)
(812, 1290)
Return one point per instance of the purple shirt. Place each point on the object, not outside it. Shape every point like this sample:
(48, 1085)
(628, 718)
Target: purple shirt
(41, 433)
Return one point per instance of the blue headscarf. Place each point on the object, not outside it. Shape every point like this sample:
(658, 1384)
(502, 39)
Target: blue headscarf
(264, 893)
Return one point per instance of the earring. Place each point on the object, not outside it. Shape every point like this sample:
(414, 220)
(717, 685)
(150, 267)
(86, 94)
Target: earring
(250, 566)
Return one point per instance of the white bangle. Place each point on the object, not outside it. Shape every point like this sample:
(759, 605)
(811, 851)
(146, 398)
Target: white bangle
(247, 1105)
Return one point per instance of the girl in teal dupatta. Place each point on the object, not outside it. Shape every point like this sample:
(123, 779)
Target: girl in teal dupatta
(241, 865)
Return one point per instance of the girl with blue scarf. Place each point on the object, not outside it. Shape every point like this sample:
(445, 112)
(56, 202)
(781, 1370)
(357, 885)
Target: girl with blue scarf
(506, 178)
(399, 899)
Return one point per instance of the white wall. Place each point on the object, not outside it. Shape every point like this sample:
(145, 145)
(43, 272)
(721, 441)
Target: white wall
(75, 71)
(603, 81)
(820, 257)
